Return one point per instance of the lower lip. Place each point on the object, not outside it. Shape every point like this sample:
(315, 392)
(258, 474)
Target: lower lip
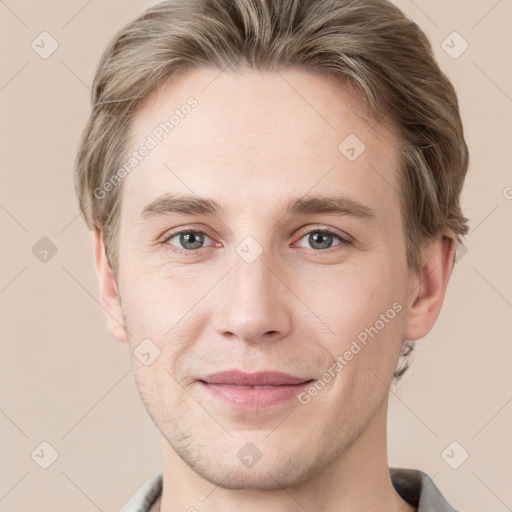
(251, 398)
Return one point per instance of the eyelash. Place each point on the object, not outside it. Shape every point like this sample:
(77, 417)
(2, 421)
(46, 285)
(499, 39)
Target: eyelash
(343, 241)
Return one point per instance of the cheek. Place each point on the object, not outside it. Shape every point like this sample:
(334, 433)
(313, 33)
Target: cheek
(154, 299)
(163, 314)
(349, 300)
(365, 311)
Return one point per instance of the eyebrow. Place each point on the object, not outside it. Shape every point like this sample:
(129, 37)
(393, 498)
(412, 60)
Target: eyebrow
(189, 205)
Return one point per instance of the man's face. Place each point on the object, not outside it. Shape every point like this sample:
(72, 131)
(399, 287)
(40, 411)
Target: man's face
(256, 287)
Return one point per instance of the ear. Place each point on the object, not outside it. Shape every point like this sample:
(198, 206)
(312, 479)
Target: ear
(428, 286)
(109, 294)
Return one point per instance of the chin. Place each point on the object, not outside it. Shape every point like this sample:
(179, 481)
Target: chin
(223, 468)
(251, 479)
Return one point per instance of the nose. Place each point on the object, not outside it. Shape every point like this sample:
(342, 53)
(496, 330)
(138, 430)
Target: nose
(255, 306)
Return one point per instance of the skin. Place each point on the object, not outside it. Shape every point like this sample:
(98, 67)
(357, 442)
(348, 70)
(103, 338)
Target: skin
(255, 140)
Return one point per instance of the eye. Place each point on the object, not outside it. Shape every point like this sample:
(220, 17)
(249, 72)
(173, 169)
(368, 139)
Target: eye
(322, 239)
(188, 240)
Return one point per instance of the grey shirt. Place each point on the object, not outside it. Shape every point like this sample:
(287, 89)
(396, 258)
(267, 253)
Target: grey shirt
(414, 486)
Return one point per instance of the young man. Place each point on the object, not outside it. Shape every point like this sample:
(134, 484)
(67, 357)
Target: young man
(273, 188)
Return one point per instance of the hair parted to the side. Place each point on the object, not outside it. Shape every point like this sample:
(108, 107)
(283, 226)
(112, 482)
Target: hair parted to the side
(369, 44)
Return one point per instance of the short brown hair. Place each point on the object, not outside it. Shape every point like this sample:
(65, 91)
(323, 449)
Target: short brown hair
(369, 44)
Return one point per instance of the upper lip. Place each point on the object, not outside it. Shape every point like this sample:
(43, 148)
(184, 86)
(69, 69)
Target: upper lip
(262, 378)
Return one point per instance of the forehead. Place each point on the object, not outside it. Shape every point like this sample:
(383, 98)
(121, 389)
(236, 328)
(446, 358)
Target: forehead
(253, 135)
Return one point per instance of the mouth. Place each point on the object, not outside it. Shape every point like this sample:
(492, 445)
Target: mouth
(253, 390)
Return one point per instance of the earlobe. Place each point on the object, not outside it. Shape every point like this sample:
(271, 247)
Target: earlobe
(428, 287)
(109, 294)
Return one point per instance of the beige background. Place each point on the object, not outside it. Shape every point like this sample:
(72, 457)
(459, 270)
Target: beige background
(64, 381)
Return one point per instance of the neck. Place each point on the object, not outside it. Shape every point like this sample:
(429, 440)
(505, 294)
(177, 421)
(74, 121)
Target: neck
(357, 480)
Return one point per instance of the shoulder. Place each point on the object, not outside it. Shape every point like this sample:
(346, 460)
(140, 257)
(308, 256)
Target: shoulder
(418, 489)
(147, 497)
